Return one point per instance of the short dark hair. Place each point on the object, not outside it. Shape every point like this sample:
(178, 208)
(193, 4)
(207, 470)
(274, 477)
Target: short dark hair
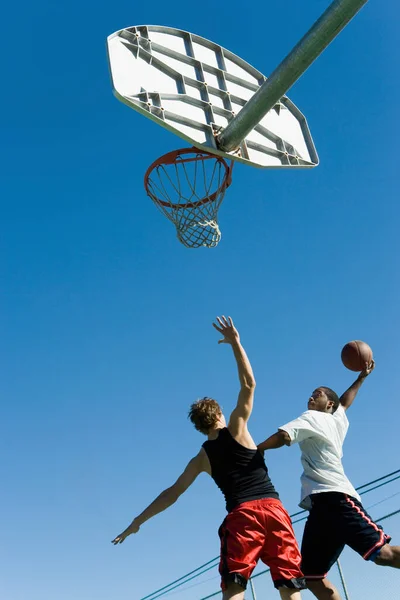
(332, 396)
(204, 414)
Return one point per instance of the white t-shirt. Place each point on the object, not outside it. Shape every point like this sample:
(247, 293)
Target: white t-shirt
(320, 436)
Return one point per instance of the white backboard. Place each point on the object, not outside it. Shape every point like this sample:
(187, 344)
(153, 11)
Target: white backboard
(194, 87)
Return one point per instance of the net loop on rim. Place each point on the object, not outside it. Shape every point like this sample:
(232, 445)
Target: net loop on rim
(188, 186)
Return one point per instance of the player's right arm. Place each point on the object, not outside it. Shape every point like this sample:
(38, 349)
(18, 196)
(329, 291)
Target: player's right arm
(347, 399)
(169, 496)
(241, 413)
(293, 432)
(277, 440)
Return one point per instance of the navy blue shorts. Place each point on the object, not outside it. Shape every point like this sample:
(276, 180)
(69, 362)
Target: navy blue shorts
(337, 520)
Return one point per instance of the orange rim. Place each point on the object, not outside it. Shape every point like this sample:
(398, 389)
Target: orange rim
(171, 158)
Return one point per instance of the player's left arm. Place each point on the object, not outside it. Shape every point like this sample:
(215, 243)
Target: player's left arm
(347, 399)
(244, 406)
(168, 497)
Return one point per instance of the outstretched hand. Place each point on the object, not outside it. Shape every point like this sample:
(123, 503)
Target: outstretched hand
(133, 528)
(369, 367)
(228, 330)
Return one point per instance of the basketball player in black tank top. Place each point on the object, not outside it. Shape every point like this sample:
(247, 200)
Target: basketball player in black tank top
(257, 525)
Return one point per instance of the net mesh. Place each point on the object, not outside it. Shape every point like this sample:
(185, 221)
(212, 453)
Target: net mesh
(188, 186)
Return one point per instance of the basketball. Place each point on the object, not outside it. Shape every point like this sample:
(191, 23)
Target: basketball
(355, 354)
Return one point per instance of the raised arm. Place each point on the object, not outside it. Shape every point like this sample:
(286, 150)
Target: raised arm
(168, 496)
(347, 399)
(244, 406)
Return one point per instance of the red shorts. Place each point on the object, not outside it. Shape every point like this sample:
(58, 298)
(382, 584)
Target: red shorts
(259, 529)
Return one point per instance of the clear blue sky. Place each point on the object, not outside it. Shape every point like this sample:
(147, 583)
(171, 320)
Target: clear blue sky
(106, 330)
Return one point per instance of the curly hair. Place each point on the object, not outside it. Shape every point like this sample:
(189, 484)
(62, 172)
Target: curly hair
(204, 414)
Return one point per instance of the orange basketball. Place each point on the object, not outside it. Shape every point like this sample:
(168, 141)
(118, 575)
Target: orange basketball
(355, 354)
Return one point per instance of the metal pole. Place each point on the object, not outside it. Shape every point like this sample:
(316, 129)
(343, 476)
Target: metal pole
(321, 34)
(253, 591)
(346, 593)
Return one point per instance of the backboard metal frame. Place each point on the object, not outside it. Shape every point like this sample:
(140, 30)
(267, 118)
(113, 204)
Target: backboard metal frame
(194, 88)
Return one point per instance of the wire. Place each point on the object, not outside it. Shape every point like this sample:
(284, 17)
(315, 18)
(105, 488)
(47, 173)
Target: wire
(396, 512)
(179, 584)
(185, 589)
(376, 480)
(381, 501)
(380, 485)
(180, 579)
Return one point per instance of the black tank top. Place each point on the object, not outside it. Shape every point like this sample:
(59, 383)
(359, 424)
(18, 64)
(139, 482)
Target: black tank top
(240, 473)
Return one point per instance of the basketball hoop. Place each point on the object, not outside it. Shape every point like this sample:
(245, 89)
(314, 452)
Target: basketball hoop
(188, 186)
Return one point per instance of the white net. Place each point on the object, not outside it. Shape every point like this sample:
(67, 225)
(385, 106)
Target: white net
(188, 186)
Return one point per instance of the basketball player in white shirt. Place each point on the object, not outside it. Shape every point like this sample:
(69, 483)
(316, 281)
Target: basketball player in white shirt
(337, 517)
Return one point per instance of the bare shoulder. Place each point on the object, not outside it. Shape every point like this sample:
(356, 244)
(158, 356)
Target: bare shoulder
(192, 470)
(242, 436)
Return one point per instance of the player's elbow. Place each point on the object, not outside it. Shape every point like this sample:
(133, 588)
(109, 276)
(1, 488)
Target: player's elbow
(284, 437)
(249, 384)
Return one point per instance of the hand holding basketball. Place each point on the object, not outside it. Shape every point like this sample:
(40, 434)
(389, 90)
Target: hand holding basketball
(228, 330)
(367, 370)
